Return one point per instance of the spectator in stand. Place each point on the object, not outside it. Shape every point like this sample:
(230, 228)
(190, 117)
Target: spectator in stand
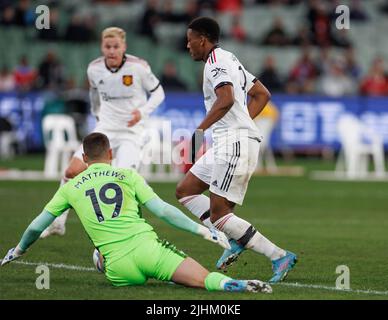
(376, 81)
(232, 6)
(319, 20)
(150, 20)
(78, 30)
(303, 75)
(24, 15)
(7, 16)
(51, 34)
(352, 68)
(170, 80)
(50, 72)
(336, 82)
(277, 35)
(24, 75)
(303, 37)
(7, 80)
(237, 31)
(270, 77)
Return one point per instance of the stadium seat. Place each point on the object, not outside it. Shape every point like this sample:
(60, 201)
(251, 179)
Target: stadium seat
(61, 141)
(8, 139)
(359, 142)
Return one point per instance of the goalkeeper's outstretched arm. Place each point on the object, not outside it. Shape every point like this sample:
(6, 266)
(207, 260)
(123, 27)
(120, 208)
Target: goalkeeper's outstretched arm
(32, 233)
(178, 219)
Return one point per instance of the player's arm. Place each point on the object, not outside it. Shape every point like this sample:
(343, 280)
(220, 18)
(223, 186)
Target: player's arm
(173, 216)
(94, 96)
(57, 205)
(156, 96)
(30, 235)
(223, 103)
(94, 102)
(176, 218)
(259, 97)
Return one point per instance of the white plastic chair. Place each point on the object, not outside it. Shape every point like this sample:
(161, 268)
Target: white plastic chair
(61, 141)
(359, 143)
(7, 140)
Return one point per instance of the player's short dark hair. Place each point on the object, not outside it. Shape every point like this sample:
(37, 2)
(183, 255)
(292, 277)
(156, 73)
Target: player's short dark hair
(207, 27)
(95, 145)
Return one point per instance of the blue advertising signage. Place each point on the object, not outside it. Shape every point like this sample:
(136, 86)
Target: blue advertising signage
(304, 122)
(24, 112)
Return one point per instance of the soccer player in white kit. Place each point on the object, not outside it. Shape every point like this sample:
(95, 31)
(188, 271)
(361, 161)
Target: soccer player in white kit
(119, 85)
(226, 168)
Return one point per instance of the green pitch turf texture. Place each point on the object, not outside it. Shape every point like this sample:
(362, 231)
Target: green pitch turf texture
(326, 224)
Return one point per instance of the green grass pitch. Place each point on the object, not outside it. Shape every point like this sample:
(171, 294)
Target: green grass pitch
(326, 223)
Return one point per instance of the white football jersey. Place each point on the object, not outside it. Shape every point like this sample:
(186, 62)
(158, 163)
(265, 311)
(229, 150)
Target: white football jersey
(222, 67)
(121, 91)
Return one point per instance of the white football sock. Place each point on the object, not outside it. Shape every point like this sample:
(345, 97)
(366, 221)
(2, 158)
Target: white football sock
(198, 205)
(242, 231)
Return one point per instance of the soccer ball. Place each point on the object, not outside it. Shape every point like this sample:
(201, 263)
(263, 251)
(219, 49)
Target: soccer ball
(98, 261)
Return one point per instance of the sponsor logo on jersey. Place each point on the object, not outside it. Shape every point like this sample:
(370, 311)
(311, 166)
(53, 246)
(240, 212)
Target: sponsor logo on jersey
(127, 80)
(218, 72)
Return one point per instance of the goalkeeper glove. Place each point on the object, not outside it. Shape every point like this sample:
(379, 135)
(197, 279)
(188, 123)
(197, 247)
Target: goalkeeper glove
(215, 236)
(11, 255)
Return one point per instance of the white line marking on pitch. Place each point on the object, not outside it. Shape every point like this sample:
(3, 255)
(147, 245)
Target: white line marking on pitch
(55, 265)
(315, 286)
(286, 284)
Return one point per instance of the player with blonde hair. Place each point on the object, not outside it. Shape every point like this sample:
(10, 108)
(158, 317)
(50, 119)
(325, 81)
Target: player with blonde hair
(119, 86)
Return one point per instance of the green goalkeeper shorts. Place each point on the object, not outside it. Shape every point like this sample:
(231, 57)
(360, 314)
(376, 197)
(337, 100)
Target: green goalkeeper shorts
(152, 258)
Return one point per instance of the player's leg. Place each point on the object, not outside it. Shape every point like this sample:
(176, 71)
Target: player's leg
(124, 272)
(165, 262)
(192, 274)
(75, 167)
(190, 188)
(230, 190)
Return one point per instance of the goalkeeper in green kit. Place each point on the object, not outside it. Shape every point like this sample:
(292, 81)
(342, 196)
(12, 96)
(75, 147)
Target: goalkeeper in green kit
(106, 200)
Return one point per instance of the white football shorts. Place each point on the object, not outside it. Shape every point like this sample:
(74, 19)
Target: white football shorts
(227, 170)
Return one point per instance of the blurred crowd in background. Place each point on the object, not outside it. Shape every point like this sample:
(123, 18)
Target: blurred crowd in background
(322, 73)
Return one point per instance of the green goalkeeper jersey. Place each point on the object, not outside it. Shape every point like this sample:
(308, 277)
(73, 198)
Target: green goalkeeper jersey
(106, 200)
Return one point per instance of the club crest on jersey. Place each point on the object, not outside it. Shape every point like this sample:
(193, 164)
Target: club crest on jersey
(127, 80)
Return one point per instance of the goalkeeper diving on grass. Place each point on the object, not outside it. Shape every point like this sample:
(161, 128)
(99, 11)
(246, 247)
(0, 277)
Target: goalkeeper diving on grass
(106, 200)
